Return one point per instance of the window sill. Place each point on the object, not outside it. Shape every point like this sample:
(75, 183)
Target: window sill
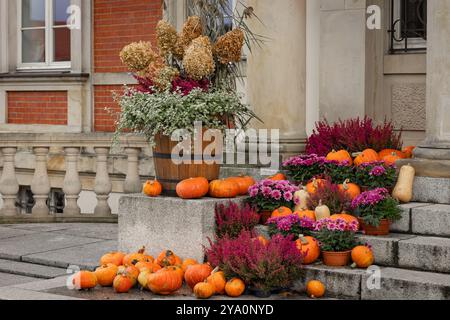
(43, 76)
(405, 63)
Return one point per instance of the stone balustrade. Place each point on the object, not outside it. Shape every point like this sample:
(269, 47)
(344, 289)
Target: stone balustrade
(71, 147)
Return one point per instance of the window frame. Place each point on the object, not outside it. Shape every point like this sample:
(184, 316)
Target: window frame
(49, 64)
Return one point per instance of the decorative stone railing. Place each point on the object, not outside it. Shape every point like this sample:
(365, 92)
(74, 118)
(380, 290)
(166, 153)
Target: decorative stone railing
(71, 146)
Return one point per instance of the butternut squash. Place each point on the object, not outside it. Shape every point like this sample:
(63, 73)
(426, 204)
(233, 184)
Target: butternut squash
(303, 196)
(322, 211)
(403, 190)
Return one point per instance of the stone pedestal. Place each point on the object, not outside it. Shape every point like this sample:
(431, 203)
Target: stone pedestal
(164, 223)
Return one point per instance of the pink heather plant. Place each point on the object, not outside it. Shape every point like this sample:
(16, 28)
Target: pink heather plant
(263, 267)
(268, 195)
(231, 220)
(291, 225)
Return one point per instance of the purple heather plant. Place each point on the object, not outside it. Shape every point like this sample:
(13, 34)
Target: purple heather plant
(268, 195)
(291, 225)
(231, 219)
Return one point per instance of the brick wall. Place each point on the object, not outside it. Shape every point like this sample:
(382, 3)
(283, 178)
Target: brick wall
(37, 107)
(104, 121)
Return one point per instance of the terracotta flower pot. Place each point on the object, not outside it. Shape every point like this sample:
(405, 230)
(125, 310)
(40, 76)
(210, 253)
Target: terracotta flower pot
(336, 259)
(265, 215)
(381, 230)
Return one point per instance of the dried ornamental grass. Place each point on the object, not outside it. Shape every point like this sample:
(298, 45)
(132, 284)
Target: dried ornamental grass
(198, 60)
(137, 56)
(228, 47)
(166, 37)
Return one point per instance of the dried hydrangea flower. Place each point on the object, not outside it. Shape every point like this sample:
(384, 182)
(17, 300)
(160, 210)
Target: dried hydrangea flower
(137, 56)
(228, 47)
(166, 37)
(164, 78)
(198, 60)
(192, 29)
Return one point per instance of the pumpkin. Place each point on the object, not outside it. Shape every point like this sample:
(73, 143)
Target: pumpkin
(112, 257)
(135, 257)
(204, 290)
(340, 156)
(197, 273)
(306, 214)
(106, 274)
(150, 266)
(164, 282)
(168, 258)
(403, 190)
(122, 283)
(143, 278)
(223, 189)
(152, 188)
(281, 212)
(277, 177)
(262, 240)
(346, 217)
(303, 198)
(218, 281)
(315, 289)
(322, 211)
(362, 257)
(84, 280)
(235, 288)
(314, 185)
(132, 272)
(391, 159)
(351, 189)
(193, 188)
(243, 182)
(388, 152)
(178, 270)
(408, 151)
(188, 262)
(367, 156)
(309, 247)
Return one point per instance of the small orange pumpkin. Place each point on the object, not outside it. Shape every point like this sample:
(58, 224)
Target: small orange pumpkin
(315, 289)
(223, 189)
(306, 214)
(217, 279)
(340, 156)
(152, 188)
(408, 151)
(262, 240)
(235, 288)
(281, 212)
(391, 159)
(277, 177)
(367, 156)
(204, 290)
(168, 258)
(197, 273)
(346, 217)
(150, 266)
(313, 186)
(135, 257)
(362, 257)
(84, 280)
(193, 188)
(188, 262)
(164, 282)
(132, 272)
(243, 182)
(309, 247)
(351, 189)
(123, 283)
(112, 257)
(388, 152)
(106, 274)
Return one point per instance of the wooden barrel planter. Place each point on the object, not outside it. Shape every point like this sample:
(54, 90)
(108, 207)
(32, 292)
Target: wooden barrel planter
(170, 174)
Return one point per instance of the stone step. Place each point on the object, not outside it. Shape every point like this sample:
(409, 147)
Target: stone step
(30, 270)
(378, 283)
(431, 190)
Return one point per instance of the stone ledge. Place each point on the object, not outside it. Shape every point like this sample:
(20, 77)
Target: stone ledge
(21, 219)
(432, 190)
(428, 167)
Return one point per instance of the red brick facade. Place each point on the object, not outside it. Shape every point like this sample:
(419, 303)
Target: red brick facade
(103, 101)
(37, 107)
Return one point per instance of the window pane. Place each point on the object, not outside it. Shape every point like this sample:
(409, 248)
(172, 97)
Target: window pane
(61, 44)
(33, 46)
(60, 12)
(33, 13)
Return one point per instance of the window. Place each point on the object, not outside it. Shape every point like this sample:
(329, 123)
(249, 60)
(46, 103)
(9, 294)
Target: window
(44, 36)
(408, 31)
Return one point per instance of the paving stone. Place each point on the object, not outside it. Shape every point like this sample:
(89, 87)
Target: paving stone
(431, 220)
(30, 270)
(404, 224)
(425, 253)
(11, 293)
(14, 248)
(9, 232)
(431, 190)
(84, 256)
(42, 227)
(7, 279)
(42, 285)
(401, 284)
(105, 231)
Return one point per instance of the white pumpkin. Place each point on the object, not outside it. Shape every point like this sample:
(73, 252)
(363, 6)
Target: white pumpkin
(322, 211)
(303, 196)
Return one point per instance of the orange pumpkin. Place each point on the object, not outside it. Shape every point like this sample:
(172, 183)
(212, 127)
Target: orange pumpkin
(309, 247)
(132, 272)
(314, 185)
(112, 257)
(197, 273)
(135, 257)
(223, 189)
(277, 177)
(178, 270)
(346, 217)
(306, 214)
(168, 258)
(243, 182)
(351, 189)
(340, 156)
(123, 283)
(84, 280)
(391, 159)
(150, 266)
(193, 188)
(367, 156)
(164, 282)
(106, 274)
(152, 188)
(388, 152)
(217, 279)
(362, 257)
(188, 262)
(204, 290)
(235, 288)
(408, 151)
(315, 289)
(281, 212)
(262, 240)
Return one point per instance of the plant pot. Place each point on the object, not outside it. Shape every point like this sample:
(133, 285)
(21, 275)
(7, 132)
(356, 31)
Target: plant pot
(264, 216)
(336, 259)
(381, 230)
(260, 293)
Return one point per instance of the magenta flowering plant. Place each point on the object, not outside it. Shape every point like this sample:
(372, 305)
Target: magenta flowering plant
(303, 168)
(291, 225)
(339, 171)
(374, 205)
(336, 235)
(268, 195)
(376, 175)
(232, 219)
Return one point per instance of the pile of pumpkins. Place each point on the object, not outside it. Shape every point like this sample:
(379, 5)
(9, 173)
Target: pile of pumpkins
(389, 156)
(164, 275)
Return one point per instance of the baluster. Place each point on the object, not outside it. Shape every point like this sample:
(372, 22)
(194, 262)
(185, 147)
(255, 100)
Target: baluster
(132, 182)
(40, 185)
(9, 187)
(103, 186)
(72, 182)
